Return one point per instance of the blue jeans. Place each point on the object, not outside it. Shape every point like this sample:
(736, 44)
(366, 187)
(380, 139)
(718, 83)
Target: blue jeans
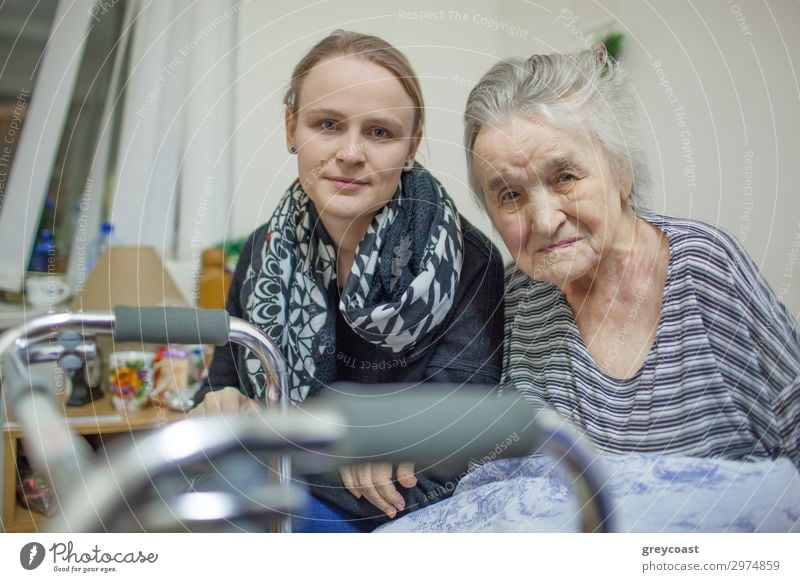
(319, 517)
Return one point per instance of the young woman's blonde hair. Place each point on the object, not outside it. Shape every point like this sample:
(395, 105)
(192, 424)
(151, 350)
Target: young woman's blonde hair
(343, 43)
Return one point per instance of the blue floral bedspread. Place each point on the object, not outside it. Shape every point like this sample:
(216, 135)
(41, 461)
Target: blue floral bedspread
(649, 493)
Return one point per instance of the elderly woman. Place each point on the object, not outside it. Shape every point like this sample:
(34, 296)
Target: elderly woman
(654, 334)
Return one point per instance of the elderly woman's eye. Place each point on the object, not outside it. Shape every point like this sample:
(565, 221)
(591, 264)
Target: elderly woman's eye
(509, 197)
(565, 178)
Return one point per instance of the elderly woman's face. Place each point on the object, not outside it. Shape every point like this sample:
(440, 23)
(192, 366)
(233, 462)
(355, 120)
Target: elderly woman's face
(552, 196)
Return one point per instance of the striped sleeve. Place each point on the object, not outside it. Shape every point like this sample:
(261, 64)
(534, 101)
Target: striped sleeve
(776, 339)
(722, 378)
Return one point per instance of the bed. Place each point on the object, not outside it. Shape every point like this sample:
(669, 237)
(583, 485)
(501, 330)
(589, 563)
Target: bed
(649, 493)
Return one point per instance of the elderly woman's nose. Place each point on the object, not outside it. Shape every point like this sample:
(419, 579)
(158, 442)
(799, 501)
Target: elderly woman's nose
(351, 149)
(545, 216)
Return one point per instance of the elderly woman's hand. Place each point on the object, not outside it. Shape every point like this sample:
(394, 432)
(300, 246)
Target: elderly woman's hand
(374, 481)
(226, 401)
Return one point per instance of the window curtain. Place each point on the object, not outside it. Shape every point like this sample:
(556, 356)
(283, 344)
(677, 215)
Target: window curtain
(172, 184)
(36, 152)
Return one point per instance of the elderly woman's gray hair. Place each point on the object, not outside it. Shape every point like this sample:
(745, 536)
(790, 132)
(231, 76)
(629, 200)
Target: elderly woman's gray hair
(586, 91)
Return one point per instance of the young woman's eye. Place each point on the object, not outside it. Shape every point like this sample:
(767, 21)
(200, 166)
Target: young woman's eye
(379, 133)
(327, 125)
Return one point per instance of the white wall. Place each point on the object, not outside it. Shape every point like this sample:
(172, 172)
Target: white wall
(729, 65)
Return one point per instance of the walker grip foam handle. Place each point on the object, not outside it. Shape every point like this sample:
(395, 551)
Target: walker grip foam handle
(431, 423)
(163, 325)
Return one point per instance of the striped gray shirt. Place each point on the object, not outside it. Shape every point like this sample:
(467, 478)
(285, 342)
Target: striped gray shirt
(721, 380)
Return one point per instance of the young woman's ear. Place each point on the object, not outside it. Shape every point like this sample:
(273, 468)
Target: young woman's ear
(290, 124)
(415, 141)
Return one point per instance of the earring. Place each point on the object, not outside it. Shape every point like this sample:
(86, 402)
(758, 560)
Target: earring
(292, 150)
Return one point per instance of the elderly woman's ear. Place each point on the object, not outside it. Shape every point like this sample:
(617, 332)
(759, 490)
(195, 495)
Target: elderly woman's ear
(626, 188)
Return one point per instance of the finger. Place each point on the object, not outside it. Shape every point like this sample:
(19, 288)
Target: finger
(207, 407)
(405, 475)
(227, 400)
(367, 487)
(232, 401)
(244, 404)
(215, 401)
(346, 473)
(198, 411)
(382, 481)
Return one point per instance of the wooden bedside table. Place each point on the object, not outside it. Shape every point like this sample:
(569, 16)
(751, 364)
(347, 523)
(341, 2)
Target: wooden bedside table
(96, 418)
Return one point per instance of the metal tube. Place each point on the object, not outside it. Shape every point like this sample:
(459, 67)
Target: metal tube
(132, 470)
(577, 455)
(275, 392)
(574, 450)
(55, 451)
(248, 335)
(41, 328)
(24, 338)
(38, 354)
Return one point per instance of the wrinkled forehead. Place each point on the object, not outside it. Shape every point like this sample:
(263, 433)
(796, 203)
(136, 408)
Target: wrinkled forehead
(522, 143)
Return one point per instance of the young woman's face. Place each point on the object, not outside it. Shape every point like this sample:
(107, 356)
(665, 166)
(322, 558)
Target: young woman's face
(353, 130)
(552, 196)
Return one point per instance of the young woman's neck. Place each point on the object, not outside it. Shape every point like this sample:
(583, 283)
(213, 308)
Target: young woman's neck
(346, 234)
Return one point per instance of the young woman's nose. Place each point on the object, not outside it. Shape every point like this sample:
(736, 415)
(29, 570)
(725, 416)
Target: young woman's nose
(351, 149)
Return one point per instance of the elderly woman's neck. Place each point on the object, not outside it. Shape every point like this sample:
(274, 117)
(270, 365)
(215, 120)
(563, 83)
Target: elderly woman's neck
(617, 312)
(637, 257)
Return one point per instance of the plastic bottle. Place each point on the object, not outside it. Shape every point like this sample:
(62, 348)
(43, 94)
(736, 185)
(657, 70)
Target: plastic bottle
(107, 238)
(43, 250)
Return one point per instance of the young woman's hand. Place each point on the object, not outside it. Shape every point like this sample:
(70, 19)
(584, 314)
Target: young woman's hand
(226, 401)
(374, 481)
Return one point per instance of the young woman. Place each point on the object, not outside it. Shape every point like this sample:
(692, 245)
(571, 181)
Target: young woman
(365, 273)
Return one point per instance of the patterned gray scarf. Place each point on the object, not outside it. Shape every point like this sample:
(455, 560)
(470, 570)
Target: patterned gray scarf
(401, 286)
